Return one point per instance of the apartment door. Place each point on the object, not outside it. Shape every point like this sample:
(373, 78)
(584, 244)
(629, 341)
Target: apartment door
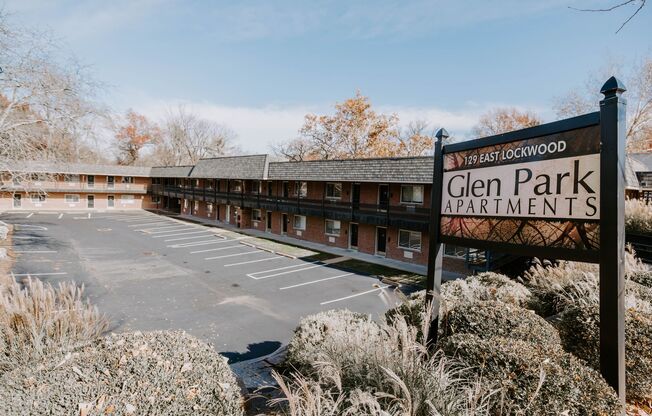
(110, 182)
(381, 240)
(353, 235)
(383, 197)
(17, 200)
(284, 224)
(268, 226)
(90, 181)
(286, 189)
(90, 201)
(270, 189)
(355, 195)
(110, 201)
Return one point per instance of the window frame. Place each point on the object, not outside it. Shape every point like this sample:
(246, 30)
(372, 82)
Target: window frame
(40, 198)
(294, 223)
(411, 233)
(326, 221)
(257, 218)
(335, 185)
(65, 199)
(412, 202)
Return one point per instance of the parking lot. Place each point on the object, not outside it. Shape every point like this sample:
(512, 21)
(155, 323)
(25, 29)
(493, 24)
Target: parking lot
(149, 272)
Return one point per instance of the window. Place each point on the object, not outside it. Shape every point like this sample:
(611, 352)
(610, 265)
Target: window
(90, 180)
(71, 178)
(209, 208)
(256, 215)
(71, 199)
(156, 199)
(454, 251)
(333, 190)
(127, 199)
(196, 204)
(185, 204)
(333, 227)
(301, 189)
(236, 186)
(36, 197)
(412, 194)
(410, 240)
(127, 179)
(255, 187)
(300, 222)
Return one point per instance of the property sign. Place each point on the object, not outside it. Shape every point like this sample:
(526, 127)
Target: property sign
(542, 191)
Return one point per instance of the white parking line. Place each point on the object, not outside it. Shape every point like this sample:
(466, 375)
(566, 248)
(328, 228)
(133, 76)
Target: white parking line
(316, 281)
(29, 215)
(167, 230)
(133, 218)
(217, 249)
(89, 215)
(149, 223)
(174, 234)
(203, 235)
(38, 227)
(34, 251)
(39, 274)
(255, 261)
(355, 296)
(196, 243)
(60, 216)
(162, 227)
(233, 255)
(283, 273)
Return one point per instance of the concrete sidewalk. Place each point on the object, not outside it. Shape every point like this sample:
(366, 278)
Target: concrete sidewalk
(353, 254)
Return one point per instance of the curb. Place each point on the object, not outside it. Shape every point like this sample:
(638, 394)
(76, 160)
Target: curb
(268, 250)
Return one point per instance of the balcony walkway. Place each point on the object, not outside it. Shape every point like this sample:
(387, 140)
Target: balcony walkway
(337, 251)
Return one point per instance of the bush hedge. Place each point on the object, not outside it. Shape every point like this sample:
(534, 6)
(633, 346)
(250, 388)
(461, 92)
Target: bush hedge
(161, 373)
(533, 382)
(491, 318)
(579, 328)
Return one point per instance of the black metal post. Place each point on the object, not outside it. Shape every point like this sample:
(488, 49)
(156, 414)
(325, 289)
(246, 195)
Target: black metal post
(612, 235)
(435, 252)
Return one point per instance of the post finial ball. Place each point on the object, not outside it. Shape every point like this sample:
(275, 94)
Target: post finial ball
(613, 86)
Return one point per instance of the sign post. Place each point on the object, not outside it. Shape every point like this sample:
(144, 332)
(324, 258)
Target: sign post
(551, 191)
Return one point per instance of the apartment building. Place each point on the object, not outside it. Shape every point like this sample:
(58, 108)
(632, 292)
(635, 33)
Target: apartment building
(62, 186)
(377, 206)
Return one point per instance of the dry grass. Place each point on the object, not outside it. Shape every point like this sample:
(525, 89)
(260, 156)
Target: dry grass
(6, 263)
(376, 369)
(638, 217)
(39, 319)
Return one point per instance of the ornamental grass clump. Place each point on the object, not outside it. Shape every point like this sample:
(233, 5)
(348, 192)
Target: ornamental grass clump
(531, 380)
(362, 367)
(40, 320)
(638, 217)
(150, 373)
(642, 278)
(489, 319)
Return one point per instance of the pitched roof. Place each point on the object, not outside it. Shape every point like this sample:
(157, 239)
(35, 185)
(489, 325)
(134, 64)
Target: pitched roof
(76, 168)
(392, 169)
(171, 171)
(232, 167)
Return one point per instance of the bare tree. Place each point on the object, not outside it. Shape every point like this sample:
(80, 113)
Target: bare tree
(639, 4)
(502, 120)
(639, 101)
(45, 104)
(186, 138)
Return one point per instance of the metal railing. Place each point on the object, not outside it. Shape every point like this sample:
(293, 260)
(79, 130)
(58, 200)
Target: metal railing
(60, 186)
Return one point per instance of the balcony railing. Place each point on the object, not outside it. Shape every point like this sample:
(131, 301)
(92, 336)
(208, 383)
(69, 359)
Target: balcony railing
(58, 186)
(408, 216)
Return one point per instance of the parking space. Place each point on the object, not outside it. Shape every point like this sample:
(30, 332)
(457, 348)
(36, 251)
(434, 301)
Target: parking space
(154, 272)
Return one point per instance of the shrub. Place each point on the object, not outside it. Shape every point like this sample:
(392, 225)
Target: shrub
(138, 373)
(383, 363)
(532, 381)
(580, 334)
(489, 319)
(638, 217)
(39, 320)
(642, 277)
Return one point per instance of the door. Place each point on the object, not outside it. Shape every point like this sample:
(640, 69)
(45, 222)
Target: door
(269, 189)
(383, 197)
(268, 227)
(90, 201)
(286, 189)
(17, 200)
(110, 201)
(353, 235)
(110, 182)
(284, 224)
(381, 240)
(355, 196)
(90, 181)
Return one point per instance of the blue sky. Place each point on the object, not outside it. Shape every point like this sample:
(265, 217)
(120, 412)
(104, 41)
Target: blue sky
(259, 66)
